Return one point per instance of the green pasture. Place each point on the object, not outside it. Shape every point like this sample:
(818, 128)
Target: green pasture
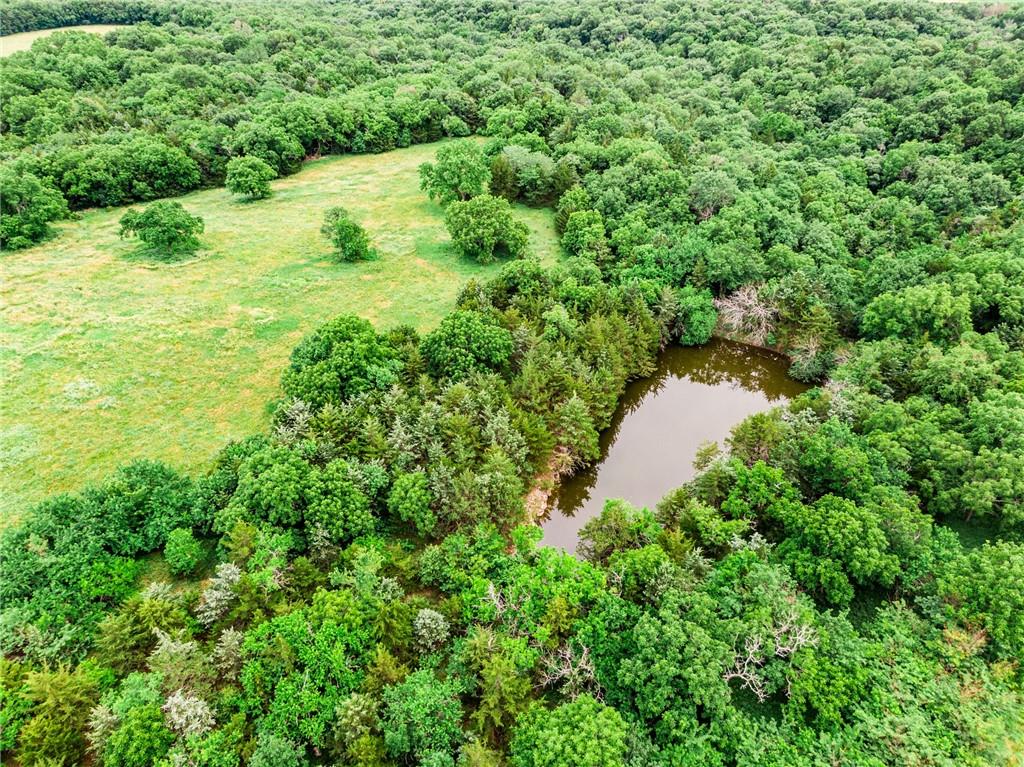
(107, 357)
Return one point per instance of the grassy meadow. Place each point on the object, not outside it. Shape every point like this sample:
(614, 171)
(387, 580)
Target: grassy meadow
(106, 357)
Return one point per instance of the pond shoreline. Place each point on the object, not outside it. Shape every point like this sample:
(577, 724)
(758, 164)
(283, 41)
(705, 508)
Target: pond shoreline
(695, 395)
(545, 485)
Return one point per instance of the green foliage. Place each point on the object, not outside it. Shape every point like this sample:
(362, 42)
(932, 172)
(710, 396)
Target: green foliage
(465, 343)
(520, 172)
(583, 733)
(504, 692)
(584, 235)
(164, 226)
(250, 177)
(141, 739)
(833, 542)
(274, 751)
(459, 173)
(431, 629)
(337, 505)
(28, 207)
(696, 317)
(349, 239)
(619, 527)
(421, 716)
(182, 551)
(410, 500)
(483, 228)
(342, 358)
(60, 704)
(982, 589)
(68, 563)
(15, 705)
(298, 667)
(575, 199)
(918, 312)
(832, 180)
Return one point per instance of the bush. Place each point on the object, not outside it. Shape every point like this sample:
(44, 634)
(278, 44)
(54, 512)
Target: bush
(275, 751)
(583, 733)
(459, 173)
(697, 316)
(431, 629)
(466, 343)
(410, 500)
(182, 551)
(165, 226)
(249, 176)
(348, 238)
(341, 358)
(61, 701)
(27, 207)
(422, 715)
(483, 228)
(141, 739)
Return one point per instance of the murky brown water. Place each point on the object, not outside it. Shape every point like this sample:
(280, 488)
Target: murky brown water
(696, 395)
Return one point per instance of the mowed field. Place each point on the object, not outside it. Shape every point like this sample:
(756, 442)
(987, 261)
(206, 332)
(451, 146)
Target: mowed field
(106, 357)
(22, 41)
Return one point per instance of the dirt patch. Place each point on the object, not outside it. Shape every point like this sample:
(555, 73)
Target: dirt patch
(542, 489)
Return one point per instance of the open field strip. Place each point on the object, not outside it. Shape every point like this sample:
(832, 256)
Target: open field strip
(106, 357)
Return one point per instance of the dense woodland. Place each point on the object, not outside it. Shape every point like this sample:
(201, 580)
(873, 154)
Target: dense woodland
(359, 586)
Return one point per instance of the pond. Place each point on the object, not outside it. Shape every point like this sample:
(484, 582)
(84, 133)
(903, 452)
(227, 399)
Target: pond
(696, 395)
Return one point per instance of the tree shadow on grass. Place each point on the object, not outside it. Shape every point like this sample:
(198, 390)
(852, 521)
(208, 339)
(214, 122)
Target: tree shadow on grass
(246, 201)
(152, 256)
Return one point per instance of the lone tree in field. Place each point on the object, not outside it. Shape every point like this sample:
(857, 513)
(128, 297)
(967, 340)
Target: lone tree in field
(483, 228)
(461, 171)
(250, 177)
(349, 238)
(164, 226)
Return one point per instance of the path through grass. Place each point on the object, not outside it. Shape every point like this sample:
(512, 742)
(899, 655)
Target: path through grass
(106, 358)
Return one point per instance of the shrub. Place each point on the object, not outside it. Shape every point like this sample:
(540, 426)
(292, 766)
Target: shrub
(26, 209)
(61, 701)
(348, 238)
(431, 629)
(583, 733)
(422, 715)
(465, 343)
(483, 228)
(275, 751)
(164, 226)
(459, 173)
(182, 551)
(250, 177)
(341, 358)
(410, 500)
(141, 739)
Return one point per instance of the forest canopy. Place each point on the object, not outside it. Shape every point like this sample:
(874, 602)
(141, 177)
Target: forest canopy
(363, 585)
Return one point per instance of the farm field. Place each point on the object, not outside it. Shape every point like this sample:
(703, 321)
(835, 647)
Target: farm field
(106, 357)
(22, 41)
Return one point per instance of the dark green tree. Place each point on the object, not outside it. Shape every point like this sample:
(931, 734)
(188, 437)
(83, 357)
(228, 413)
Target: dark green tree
(165, 226)
(349, 239)
(459, 172)
(249, 176)
(483, 228)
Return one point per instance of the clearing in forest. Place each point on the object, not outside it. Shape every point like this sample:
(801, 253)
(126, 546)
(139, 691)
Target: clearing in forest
(106, 357)
(22, 41)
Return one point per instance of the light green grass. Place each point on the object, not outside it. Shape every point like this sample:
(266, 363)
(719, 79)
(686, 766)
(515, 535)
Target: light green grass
(22, 41)
(106, 358)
